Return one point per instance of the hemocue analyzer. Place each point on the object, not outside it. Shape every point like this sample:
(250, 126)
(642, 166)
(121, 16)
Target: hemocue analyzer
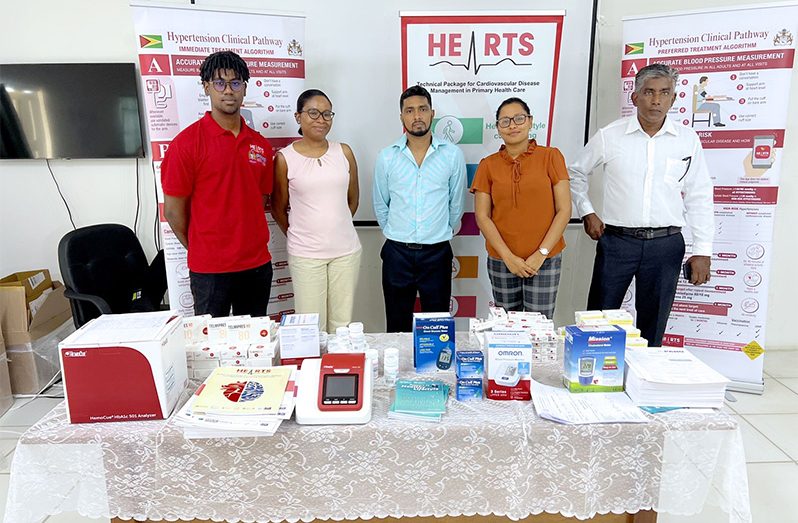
(334, 389)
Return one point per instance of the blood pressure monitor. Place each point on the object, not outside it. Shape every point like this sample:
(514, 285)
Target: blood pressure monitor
(341, 382)
(334, 390)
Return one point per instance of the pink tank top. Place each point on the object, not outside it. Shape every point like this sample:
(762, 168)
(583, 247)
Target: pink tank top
(319, 221)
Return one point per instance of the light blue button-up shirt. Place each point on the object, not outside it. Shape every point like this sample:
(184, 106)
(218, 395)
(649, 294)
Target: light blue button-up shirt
(419, 204)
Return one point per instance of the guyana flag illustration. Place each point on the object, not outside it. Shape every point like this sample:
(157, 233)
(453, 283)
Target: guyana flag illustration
(151, 41)
(635, 48)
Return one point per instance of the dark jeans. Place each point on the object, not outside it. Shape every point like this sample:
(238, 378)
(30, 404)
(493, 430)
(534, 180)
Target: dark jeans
(655, 264)
(408, 271)
(247, 292)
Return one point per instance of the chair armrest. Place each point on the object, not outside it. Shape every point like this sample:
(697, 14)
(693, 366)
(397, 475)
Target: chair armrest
(98, 302)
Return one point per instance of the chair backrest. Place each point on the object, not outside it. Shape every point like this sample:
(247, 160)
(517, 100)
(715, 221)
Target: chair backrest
(102, 260)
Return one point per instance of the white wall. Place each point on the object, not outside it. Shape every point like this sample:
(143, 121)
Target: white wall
(33, 219)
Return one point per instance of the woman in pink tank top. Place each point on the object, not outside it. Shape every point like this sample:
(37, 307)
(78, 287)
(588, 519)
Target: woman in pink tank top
(315, 196)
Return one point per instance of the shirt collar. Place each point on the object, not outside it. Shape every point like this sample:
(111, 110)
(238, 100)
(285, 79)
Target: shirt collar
(214, 129)
(509, 159)
(634, 125)
(401, 143)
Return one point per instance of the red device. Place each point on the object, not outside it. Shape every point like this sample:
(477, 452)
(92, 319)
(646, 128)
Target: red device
(341, 379)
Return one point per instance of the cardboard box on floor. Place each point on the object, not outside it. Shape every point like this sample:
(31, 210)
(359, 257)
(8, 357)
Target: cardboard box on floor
(33, 321)
(6, 399)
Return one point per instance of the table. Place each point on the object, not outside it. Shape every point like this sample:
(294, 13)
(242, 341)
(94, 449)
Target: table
(485, 458)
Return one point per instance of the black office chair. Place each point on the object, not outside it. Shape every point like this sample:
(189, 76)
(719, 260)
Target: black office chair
(105, 271)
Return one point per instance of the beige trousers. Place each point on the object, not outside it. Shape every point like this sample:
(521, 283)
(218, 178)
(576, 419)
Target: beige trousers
(325, 286)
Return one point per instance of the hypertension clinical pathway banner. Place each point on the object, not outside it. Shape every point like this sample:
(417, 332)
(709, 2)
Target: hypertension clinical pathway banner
(735, 68)
(172, 42)
(470, 64)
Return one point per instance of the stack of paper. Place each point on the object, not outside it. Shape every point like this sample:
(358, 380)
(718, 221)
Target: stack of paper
(672, 377)
(419, 400)
(239, 402)
(557, 404)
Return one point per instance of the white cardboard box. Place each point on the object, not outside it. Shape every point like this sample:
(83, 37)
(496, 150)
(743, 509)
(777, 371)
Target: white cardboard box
(299, 337)
(124, 367)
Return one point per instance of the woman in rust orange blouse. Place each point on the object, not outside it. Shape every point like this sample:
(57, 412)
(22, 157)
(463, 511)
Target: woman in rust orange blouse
(523, 204)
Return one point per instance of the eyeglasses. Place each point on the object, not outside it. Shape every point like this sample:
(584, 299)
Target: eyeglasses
(518, 119)
(220, 85)
(315, 113)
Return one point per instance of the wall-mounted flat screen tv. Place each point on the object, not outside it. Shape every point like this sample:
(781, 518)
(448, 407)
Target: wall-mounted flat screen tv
(69, 111)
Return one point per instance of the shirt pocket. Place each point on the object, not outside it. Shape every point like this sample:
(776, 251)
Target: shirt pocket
(675, 171)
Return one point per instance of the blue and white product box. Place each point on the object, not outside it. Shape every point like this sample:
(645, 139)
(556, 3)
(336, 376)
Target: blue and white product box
(509, 371)
(594, 358)
(467, 389)
(433, 341)
(469, 364)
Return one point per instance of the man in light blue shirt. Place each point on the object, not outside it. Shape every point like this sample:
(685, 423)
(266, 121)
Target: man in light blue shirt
(419, 187)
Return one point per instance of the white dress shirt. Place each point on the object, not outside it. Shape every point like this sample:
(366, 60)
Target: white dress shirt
(649, 181)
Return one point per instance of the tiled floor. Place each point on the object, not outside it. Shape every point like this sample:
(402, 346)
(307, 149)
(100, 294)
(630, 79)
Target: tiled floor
(769, 426)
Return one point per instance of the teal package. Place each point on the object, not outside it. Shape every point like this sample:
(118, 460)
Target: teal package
(433, 342)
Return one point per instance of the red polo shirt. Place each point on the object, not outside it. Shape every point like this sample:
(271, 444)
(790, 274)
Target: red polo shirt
(224, 176)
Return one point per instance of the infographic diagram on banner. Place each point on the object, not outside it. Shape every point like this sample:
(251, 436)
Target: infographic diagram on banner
(172, 44)
(735, 68)
(470, 64)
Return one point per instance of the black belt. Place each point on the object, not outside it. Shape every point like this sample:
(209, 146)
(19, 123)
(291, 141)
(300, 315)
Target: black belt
(644, 233)
(418, 246)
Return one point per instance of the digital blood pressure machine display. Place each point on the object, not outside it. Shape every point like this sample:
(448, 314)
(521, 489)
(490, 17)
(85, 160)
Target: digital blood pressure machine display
(341, 382)
(334, 389)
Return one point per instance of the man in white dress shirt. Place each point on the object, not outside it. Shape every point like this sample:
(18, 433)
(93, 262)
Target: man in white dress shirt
(655, 183)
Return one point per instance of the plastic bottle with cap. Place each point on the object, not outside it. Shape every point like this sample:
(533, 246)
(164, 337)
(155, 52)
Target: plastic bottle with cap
(390, 362)
(373, 355)
(357, 337)
(344, 342)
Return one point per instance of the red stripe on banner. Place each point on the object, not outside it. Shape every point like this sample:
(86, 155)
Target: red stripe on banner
(712, 63)
(629, 68)
(158, 150)
(738, 139)
(468, 225)
(709, 309)
(480, 19)
(188, 65)
(558, 40)
(161, 215)
(155, 65)
(713, 344)
(673, 340)
(746, 195)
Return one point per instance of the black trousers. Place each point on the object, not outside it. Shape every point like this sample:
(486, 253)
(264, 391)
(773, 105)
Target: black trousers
(426, 271)
(655, 264)
(247, 292)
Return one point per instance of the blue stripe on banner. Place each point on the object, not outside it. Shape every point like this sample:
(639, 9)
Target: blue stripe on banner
(471, 171)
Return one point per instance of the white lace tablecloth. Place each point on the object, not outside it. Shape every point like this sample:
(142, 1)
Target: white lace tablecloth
(488, 457)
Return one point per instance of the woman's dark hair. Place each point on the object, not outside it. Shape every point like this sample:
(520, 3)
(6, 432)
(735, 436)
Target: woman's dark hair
(221, 61)
(304, 97)
(512, 100)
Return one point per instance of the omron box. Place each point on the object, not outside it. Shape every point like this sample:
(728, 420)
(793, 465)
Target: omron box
(124, 367)
(299, 338)
(509, 365)
(433, 341)
(594, 358)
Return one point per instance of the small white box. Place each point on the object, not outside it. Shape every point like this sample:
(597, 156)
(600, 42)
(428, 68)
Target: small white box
(299, 337)
(195, 329)
(239, 331)
(234, 362)
(204, 352)
(233, 351)
(260, 362)
(204, 364)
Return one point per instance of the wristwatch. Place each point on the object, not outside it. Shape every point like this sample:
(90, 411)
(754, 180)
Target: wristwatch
(544, 251)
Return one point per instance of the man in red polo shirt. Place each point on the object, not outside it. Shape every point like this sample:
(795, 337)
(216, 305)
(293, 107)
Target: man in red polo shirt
(216, 178)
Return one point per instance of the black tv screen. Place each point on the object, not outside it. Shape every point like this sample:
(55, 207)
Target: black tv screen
(69, 111)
